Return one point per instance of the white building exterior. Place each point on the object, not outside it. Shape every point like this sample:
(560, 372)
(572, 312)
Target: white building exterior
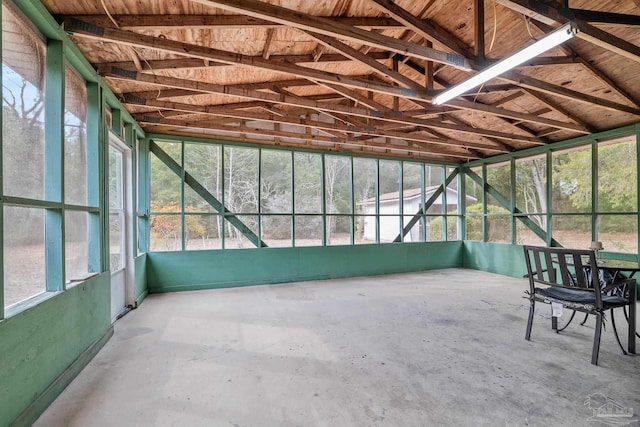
(411, 200)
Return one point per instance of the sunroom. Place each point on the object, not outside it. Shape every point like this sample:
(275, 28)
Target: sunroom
(350, 149)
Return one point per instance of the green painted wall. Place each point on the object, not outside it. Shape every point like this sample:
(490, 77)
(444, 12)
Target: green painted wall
(501, 258)
(140, 267)
(179, 271)
(39, 344)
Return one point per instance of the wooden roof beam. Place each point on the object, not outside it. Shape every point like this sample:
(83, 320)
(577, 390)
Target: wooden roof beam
(167, 22)
(333, 28)
(424, 28)
(542, 86)
(605, 17)
(557, 108)
(187, 63)
(544, 13)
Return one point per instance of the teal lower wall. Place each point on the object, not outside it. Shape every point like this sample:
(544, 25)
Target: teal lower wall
(140, 285)
(501, 258)
(41, 343)
(179, 271)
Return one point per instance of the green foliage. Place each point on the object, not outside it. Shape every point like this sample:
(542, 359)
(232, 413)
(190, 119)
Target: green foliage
(474, 225)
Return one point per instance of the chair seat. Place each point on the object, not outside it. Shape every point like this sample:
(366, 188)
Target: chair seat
(581, 297)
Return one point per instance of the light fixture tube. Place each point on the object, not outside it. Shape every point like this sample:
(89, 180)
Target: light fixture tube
(551, 40)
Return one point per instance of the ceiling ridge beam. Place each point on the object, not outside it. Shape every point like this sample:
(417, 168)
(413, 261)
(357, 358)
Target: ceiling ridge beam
(333, 28)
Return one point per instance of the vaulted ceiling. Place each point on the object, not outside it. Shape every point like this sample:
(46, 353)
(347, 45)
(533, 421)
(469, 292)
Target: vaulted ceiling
(359, 75)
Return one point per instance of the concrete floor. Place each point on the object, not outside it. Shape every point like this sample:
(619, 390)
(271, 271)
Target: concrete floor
(432, 348)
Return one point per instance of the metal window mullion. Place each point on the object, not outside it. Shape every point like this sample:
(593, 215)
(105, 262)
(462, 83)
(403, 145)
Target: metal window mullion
(401, 201)
(485, 198)
(293, 200)
(182, 206)
(443, 207)
(95, 119)
(594, 190)
(548, 195)
(462, 204)
(144, 183)
(423, 189)
(130, 134)
(512, 207)
(1, 203)
(353, 202)
(222, 198)
(54, 165)
(323, 196)
(377, 200)
(259, 201)
(637, 129)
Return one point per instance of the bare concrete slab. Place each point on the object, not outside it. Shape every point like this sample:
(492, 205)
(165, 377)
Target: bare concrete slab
(441, 347)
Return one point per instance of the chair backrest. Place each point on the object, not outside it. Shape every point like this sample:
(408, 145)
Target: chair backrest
(561, 267)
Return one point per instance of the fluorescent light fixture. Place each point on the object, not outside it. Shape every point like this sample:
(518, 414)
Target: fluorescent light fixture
(551, 40)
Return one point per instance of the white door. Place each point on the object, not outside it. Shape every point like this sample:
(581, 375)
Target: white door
(120, 255)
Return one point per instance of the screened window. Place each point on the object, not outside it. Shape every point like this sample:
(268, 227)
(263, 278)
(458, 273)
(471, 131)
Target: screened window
(23, 142)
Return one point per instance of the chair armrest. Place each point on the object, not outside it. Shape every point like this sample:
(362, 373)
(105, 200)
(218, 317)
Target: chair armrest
(618, 284)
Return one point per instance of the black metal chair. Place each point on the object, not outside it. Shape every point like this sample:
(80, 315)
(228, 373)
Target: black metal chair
(571, 277)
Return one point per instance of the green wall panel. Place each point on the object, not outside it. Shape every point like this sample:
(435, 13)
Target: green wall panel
(140, 267)
(40, 343)
(498, 258)
(179, 271)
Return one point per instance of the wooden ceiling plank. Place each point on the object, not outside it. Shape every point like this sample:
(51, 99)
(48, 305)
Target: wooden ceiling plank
(330, 27)
(164, 22)
(424, 27)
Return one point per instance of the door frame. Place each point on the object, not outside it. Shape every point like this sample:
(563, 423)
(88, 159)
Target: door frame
(127, 248)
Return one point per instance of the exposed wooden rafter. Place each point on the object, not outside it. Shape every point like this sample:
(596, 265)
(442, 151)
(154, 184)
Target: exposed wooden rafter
(544, 13)
(333, 28)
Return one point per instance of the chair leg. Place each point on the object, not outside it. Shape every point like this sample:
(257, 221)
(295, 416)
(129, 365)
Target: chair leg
(554, 323)
(596, 340)
(530, 322)
(615, 332)
(586, 316)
